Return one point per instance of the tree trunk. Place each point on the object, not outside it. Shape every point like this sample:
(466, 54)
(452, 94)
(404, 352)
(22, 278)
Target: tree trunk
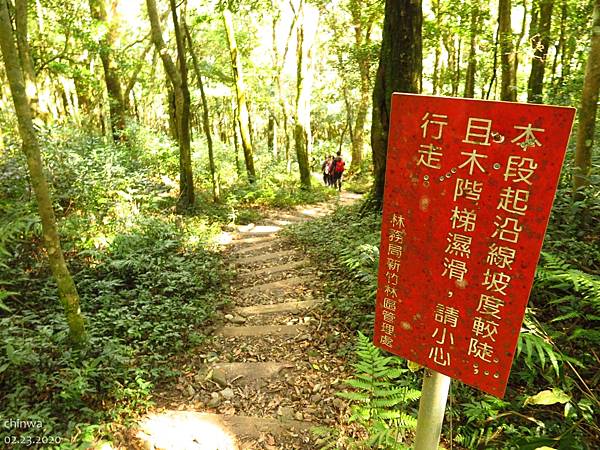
(508, 89)
(435, 4)
(272, 126)
(182, 110)
(588, 110)
(236, 144)
(240, 89)
(111, 77)
(400, 67)
(540, 40)
(472, 58)
(302, 131)
(272, 135)
(560, 46)
(517, 49)
(362, 40)
(178, 79)
(66, 287)
(134, 77)
(25, 55)
(216, 191)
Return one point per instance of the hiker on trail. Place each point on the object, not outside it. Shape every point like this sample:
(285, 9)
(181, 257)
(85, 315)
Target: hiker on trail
(327, 168)
(338, 170)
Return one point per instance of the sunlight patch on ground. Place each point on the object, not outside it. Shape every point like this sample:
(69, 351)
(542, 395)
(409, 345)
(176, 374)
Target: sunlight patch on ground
(312, 212)
(224, 238)
(251, 228)
(176, 430)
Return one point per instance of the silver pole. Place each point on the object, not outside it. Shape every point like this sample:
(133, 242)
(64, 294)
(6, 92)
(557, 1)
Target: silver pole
(431, 410)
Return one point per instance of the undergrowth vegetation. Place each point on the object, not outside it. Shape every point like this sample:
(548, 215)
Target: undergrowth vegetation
(149, 280)
(551, 400)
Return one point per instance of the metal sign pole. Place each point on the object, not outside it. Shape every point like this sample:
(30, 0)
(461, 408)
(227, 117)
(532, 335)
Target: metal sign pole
(431, 410)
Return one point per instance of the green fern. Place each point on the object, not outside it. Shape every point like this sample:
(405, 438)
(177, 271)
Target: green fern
(555, 273)
(576, 296)
(378, 399)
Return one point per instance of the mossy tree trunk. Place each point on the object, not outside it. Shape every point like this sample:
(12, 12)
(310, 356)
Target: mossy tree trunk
(21, 29)
(302, 130)
(588, 110)
(178, 78)
(66, 287)
(243, 117)
(362, 41)
(111, 75)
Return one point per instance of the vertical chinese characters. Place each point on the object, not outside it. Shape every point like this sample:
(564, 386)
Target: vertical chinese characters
(395, 248)
(511, 209)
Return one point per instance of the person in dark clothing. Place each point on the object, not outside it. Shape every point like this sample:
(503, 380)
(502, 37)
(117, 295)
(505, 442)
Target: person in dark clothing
(327, 168)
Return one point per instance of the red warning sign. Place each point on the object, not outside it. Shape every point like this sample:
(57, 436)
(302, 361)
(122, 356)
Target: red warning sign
(469, 188)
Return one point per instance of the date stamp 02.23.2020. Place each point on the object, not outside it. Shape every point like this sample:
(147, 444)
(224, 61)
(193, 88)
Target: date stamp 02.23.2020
(25, 433)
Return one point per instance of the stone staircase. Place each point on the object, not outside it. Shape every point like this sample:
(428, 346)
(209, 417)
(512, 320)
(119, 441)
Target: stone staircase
(271, 371)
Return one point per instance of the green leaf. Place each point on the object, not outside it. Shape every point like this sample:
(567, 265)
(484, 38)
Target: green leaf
(414, 367)
(548, 397)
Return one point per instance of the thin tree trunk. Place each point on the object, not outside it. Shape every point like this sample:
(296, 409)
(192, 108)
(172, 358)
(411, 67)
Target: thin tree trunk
(517, 50)
(332, 132)
(280, 91)
(111, 76)
(236, 145)
(362, 40)
(494, 65)
(457, 61)
(134, 76)
(240, 89)
(508, 90)
(21, 29)
(540, 40)
(176, 77)
(560, 46)
(472, 58)
(272, 126)
(272, 135)
(216, 191)
(437, 45)
(66, 287)
(400, 67)
(302, 130)
(588, 110)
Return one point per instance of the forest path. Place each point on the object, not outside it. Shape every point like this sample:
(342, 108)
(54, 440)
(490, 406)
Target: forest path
(271, 371)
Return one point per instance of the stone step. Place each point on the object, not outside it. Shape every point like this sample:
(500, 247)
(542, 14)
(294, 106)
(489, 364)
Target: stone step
(244, 239)
(273, 286)
(284, 221)
(254, 374)
(275, 269)
(264, 257)
(278, 307)
(256, 247)
(258, 230)
(172, 430)
(262, 330)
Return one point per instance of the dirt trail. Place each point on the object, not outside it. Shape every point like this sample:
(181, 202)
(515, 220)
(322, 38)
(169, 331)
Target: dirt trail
(271, 371)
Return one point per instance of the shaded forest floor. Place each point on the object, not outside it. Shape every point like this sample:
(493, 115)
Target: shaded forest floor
(275, 362)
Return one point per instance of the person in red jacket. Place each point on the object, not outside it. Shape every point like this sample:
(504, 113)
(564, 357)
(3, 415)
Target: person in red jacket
(338, 170)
